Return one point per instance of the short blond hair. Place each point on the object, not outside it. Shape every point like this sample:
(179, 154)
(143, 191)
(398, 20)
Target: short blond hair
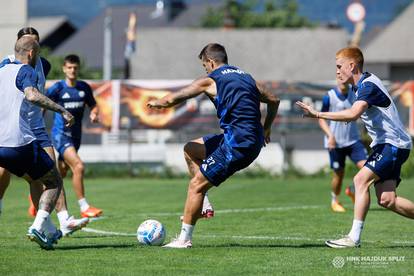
(353, 53)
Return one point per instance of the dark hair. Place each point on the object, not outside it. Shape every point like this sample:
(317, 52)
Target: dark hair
(215, 52)
(27, 31)
(71, 59)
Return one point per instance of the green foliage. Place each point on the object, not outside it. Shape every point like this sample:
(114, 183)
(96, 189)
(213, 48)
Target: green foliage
(56, 72)
(407, 168)
(276, 14)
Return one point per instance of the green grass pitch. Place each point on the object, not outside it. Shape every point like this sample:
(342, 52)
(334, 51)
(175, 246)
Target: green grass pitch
(261, 227)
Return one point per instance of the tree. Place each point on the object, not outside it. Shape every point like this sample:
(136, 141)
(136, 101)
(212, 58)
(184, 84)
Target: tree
(245, 14)
(56, 72)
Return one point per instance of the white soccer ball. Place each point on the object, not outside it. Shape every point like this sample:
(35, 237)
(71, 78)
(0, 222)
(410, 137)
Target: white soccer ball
(151, 232)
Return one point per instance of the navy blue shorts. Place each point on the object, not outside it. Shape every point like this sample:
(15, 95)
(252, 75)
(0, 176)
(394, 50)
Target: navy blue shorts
(42, 137)
(386, 161)
(30, 159)
(62, 142)
(356, 152)
(222, 161)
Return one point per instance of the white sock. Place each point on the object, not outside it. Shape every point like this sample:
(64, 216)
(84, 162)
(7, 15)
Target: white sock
(40, 220)
(206, 203)
(186, 232)
(83, 204)
(63, 217)
(49, 226)
(333, 197)
(355, 233)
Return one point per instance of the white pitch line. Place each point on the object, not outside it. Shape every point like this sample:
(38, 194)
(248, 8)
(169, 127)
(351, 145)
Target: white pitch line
(286, 238)
(246, 210)
(107, 233)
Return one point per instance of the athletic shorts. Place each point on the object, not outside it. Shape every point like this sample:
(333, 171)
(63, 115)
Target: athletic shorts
(356, 152)
(386, 161)
(62, 142)
(42, 137)
(222, 161)
(29, 159)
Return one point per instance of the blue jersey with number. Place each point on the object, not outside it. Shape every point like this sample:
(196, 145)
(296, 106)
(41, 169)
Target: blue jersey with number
(73, 99)
(238, 107)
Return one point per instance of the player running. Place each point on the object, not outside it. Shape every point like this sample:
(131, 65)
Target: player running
(342, 140)
(20, 152)
(391, 143)
(68, 224)
(214, 158)
(73, 94)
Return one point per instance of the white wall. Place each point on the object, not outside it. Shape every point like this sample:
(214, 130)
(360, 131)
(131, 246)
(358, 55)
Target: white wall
(13, 16)
(271, 157)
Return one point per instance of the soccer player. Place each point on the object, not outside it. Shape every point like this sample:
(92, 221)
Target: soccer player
(341, 140)
(20, 151)
(214, 158)
(68, 224)
(391, 143)
(73, 94)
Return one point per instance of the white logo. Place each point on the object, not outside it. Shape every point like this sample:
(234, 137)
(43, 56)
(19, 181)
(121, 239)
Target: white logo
(338, 262)
(81, 94)
(66, 96)
(372, 163)
(204, 166)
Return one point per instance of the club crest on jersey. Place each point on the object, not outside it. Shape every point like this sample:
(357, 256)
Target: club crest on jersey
(81, 94)
(66, 96)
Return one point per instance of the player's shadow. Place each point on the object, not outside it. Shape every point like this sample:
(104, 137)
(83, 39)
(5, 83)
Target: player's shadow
(242, 245)
(94, 246)
(402, 246)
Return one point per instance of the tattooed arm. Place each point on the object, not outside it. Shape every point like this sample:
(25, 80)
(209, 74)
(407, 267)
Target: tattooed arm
(37, 98)
(193, 90)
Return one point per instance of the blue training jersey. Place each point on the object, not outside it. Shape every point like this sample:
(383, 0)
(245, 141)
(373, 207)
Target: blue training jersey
(73, 99)
(238, 107)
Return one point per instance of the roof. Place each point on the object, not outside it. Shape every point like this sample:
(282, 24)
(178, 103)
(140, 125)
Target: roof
(46, 25)
(53, 30)
(88, 41)
(268, 54)
(399, 34)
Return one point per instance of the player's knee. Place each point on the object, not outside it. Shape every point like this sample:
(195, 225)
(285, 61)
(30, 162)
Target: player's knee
(197, 185)
(360, 183)
(387, 201)
(188, 149)
(79, 167)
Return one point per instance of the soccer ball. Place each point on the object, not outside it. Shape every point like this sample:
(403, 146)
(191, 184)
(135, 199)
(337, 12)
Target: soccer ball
(151, 232)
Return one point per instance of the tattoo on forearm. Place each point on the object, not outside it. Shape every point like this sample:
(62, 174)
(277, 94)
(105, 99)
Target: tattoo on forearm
(37, 98)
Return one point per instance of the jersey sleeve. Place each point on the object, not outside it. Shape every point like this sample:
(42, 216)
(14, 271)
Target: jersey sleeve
(46, 66)
(373, 95)
(89, 98)
(325, 104)
(26, 77)
(53, 92)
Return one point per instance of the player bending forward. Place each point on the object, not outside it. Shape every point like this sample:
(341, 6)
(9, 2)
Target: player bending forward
(214, 158)
(391, 144)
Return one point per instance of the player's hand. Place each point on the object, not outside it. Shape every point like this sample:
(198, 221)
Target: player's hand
(331, 142)
(70, 120)
(94, 117)
(267, 133)
(157, 104)
(308, 111)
